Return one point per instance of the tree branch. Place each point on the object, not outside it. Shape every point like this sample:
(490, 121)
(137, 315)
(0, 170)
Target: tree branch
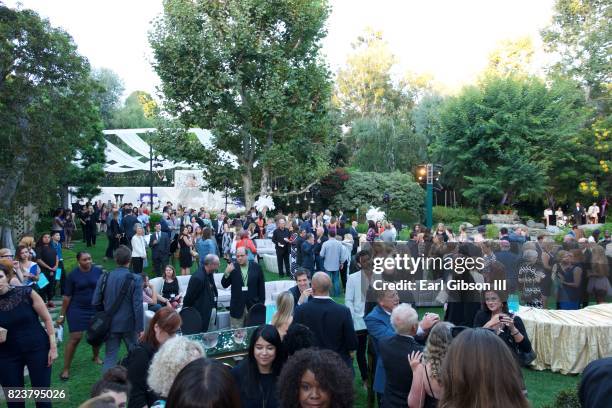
(296, 192)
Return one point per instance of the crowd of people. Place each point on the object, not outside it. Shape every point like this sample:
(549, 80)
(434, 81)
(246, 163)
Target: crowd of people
(304, 357)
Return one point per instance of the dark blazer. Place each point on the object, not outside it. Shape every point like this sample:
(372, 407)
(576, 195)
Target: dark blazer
(256, 292)
(278, 237)
(201, 295)
(295, 291)
(127, 223)
(331, 324)
(308, 257)
(130, 315)
(161, 248)
(394, 352)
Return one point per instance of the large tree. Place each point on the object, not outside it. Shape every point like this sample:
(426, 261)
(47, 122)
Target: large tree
(581, 34)
(137, 112)
(47, 110)
(250, 71)
(365, 86)
(512, 139)
(108, 94)
(386, 143)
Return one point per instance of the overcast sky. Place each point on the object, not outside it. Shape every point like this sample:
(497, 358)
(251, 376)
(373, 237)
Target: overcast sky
(449, 39)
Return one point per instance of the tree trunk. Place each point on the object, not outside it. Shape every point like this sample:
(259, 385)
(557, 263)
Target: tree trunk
(6, 238)
(263, 187)
(247, 185)
(64, 197)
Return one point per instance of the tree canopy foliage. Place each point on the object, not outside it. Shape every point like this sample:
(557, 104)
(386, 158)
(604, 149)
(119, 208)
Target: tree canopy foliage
(250, 71)
(48, 113)
(512, 138)
(365, 189)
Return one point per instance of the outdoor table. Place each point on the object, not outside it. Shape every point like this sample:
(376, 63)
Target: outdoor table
(566, 341)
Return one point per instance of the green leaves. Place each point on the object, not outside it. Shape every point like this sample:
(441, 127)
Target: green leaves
(510, 138)
(48, 113)
(249, 70)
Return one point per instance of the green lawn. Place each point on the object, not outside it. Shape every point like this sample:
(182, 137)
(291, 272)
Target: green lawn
(541, 385)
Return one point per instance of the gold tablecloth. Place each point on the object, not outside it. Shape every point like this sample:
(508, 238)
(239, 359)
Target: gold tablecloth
(567, 340)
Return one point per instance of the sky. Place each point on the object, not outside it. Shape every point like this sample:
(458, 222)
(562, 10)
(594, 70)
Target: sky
(448, 39)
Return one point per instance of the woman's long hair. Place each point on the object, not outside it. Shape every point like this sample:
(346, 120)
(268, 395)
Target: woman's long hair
(269, 334)
(480, 371)
(167, 319)
(284, 309)
(438, 341)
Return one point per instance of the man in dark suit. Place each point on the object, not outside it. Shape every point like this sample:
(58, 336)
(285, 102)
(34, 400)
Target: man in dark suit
(217, 229)
(578, 214)
(202, 293)
(393, 352)
(302, 292)
(330, 322)
(248, 287)
(280, 237)
(159, 242)
(127, 224)
(378, 322)
(128, 321)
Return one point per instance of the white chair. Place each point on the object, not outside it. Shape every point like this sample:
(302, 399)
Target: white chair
(270, 263)
(275, 288)
(265, 246)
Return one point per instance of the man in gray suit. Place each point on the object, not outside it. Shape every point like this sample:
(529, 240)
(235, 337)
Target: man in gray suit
(128, 321)
(159, 242)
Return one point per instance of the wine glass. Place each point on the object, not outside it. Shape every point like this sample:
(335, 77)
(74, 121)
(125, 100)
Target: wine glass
(239, 336)
(210, 340)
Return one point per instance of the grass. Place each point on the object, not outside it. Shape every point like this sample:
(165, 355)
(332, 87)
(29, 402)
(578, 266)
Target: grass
(541, 385)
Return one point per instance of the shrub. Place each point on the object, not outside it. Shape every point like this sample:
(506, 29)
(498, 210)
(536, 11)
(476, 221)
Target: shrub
(365, 189)
(450, 215)
(565, 399)
(154, 218)
(492, 232)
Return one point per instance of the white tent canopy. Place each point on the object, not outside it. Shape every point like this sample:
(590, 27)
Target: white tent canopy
(119, 161)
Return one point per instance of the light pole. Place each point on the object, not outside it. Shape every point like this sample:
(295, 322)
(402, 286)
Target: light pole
(151, 176)
(428, 173)
(226, 187)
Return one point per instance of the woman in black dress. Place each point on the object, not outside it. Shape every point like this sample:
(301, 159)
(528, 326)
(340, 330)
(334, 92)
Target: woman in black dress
(80, 286)
(47, 259)
(170, 295)
(510, 328)
(257, 375)
(185, 247)
(162, 327)
(26, 343)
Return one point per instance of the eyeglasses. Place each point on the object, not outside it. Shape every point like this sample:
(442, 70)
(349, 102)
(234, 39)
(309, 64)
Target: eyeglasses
(6, 256)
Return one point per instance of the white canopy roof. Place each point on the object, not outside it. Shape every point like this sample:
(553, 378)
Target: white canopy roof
(119, 161)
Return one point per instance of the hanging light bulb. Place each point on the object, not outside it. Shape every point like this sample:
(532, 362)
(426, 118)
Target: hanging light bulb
(311, 199)
(297, 200)
(305, 198)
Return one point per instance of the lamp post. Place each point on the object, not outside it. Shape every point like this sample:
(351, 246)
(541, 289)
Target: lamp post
(226, 187)
(151, 176)
(428, 173)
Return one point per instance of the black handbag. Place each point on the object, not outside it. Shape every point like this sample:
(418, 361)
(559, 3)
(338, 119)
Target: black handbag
(99, 328)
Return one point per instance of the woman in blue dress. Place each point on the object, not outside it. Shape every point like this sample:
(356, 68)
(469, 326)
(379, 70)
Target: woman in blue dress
(80, 286)
(25, 342)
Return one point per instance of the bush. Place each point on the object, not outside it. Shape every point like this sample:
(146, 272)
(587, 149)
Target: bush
(365, 189)
(492, 232)
(565, 399)
(450, 215)
(154, 218)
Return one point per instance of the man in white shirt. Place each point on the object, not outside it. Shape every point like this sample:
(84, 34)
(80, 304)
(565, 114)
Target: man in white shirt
(333, 253)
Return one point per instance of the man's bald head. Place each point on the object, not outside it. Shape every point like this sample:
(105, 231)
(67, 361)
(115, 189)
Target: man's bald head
(321, 284)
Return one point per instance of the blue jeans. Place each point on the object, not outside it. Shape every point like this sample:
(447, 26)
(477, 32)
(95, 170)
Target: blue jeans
(335, 278)
(112, 348)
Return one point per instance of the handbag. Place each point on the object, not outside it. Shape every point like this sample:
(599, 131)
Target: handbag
(99, 327)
